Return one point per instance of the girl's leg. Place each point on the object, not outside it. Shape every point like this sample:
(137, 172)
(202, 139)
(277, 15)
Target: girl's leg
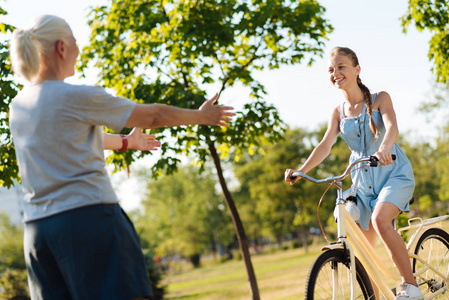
(382, 220)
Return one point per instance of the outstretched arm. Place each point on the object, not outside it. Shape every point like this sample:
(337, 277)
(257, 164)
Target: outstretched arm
(136, 141)
(158, 115)
(322, 150)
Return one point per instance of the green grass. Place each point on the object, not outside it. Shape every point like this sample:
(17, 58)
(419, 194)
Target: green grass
(281, 275)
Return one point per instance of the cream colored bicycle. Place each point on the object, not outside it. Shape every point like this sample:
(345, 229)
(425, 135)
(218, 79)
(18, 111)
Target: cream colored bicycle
(344, 269)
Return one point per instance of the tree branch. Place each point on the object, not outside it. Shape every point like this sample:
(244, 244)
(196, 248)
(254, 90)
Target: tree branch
(164, 13)
(243, 67)
(186, 81)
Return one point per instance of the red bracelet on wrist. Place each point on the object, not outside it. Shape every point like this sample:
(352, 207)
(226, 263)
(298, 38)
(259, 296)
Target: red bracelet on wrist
(124, 143)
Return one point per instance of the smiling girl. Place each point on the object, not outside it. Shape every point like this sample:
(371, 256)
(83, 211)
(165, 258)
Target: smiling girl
(367, 123)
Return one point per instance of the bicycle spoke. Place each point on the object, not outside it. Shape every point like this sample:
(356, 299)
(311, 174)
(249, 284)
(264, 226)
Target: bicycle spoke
(433, 246)
(333, 281)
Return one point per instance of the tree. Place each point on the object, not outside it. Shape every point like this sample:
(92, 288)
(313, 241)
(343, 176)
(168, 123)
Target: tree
(12, 263)
(8, 90)
(270, 197)
(285, 209)
(441, 163)
(155, 274)
(183, 213)
(13, 285)
(432, 15)
(426, 162)
(11, 247)
(171, 51)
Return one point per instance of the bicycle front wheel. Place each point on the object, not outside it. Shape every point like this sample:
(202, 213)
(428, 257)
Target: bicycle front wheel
(433, 247)
(330, 278)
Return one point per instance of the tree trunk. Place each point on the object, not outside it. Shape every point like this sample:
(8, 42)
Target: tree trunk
(305, 238)
(243, 242)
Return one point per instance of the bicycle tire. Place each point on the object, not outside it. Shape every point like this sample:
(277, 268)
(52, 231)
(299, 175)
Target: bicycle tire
(319, 284)
(433, 245)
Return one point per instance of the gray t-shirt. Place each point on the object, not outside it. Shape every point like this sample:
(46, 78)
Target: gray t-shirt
(57, 129)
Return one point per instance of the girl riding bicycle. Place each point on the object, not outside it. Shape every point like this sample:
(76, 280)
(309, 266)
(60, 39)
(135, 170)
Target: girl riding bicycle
(367, 122)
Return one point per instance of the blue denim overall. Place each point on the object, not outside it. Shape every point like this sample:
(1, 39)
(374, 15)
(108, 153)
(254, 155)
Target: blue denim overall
(394, 183)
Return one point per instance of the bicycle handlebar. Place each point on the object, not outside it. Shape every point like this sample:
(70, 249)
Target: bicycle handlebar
(372, 162)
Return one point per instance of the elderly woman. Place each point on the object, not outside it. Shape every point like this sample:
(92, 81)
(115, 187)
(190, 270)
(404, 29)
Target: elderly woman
(78, 242)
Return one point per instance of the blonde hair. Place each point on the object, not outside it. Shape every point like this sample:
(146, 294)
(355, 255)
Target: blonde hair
(366, 92)
(30, 44)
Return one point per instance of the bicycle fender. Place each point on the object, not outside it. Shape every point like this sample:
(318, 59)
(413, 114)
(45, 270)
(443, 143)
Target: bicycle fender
(334, 246)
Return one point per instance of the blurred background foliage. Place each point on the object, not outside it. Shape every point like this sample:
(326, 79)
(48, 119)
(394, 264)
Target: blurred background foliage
(184, 213)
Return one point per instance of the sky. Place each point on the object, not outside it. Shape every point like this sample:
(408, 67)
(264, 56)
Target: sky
(390, 60)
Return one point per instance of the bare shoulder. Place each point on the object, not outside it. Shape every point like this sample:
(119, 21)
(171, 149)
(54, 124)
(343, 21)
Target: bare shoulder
(382, 99)
(336, 112)
(334, 119)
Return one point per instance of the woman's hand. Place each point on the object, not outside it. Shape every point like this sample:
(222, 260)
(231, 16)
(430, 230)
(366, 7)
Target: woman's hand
(384, 157)
(137, 140)
(215, 114)
(288, 174)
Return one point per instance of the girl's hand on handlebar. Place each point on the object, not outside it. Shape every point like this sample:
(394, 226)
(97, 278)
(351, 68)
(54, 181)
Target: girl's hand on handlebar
(384, 157)
(288, 174)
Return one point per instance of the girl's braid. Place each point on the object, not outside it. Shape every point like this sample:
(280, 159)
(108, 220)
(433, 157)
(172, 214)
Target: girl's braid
(369, 106)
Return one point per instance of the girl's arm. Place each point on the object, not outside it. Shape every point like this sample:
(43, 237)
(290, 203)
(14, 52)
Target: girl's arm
(136, 140)
(322, 150)
(385, 106)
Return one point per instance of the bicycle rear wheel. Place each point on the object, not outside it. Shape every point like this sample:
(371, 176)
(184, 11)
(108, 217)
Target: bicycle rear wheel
(433, 246)
(330, 274)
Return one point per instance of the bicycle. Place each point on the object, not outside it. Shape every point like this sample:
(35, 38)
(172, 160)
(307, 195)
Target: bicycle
(344, 269)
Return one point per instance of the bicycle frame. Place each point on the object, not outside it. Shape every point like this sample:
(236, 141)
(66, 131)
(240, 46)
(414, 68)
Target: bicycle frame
(352, 239)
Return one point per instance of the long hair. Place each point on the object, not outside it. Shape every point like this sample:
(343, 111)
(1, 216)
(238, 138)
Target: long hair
(366, 92)
(29, 45)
